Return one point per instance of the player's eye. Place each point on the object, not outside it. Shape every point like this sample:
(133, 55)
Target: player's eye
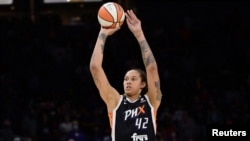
(133, 79)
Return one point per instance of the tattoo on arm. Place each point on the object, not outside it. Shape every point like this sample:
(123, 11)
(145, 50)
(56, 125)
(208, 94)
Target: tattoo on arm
(102, 48)
(147, 54)
(103, 37)
(158, 91)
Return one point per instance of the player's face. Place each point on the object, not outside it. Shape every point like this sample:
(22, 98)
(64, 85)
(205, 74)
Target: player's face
(132, 83)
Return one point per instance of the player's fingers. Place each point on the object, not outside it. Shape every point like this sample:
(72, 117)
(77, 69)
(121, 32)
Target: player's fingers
(132, 13)
(118, 28)
(128, 21)
(127, 14)
(128, 18)
(131, 16)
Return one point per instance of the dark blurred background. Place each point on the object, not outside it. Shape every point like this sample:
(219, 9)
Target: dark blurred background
(47, 93)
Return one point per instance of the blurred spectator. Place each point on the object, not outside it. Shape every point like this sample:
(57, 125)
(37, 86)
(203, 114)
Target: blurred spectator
(6, 131)
(186, 128)
(76, 134)
(65, 127)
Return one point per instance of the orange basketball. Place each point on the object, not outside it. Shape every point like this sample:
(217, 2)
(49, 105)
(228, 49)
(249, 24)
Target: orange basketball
(111, 15)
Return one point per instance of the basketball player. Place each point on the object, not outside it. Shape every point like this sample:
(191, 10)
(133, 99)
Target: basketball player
(133, 114)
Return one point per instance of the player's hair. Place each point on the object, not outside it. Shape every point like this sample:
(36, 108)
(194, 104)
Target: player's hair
(143, 79)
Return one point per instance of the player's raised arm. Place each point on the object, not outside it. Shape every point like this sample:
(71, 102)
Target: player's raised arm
(109, 95)
(154, 91)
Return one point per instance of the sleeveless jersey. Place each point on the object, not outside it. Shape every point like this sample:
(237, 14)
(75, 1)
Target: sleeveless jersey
(133, 121)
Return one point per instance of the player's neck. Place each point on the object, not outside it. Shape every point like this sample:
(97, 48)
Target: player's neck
(133, 97)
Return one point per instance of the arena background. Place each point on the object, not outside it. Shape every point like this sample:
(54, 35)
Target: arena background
(202, 50)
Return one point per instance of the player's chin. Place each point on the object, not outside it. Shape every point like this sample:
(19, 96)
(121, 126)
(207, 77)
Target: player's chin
(128, 93)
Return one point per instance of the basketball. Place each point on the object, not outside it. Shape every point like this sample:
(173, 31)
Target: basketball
(111, 15)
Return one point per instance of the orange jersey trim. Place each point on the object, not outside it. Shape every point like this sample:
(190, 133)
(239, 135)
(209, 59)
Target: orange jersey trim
(110, 115)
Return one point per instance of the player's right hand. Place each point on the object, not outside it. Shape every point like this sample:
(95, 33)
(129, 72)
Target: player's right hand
(109, 31)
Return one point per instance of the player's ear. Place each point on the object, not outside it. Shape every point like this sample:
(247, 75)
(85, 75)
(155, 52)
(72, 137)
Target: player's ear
(143, 84)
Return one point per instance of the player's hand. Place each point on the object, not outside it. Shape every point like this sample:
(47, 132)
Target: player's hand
(134, 24)
(109, 31)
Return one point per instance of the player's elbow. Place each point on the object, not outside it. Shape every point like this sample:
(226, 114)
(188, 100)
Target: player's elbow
(152, 67)
(94, 67)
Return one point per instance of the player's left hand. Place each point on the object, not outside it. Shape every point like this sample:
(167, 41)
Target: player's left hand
(134, 24)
